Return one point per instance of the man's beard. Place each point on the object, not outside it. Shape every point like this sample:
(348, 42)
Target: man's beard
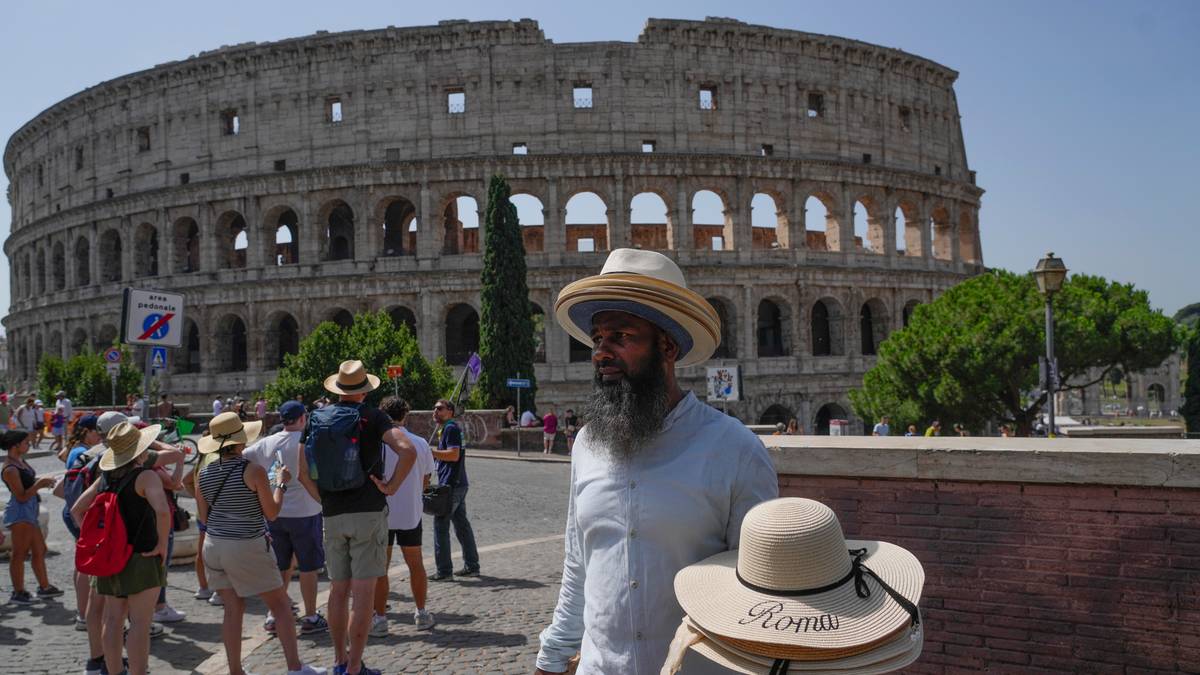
(624, 414)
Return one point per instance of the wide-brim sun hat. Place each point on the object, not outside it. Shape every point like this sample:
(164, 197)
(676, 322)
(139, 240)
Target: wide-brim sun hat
(648, 285)
(228, 429)
(125, 443)
(797, 589)
(350, 379)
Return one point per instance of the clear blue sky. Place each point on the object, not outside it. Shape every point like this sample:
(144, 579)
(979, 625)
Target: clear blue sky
(1081, 118)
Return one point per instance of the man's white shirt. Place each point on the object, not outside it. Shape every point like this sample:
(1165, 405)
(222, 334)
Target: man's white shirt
(284, 447)
(404, 507)
(631, 525)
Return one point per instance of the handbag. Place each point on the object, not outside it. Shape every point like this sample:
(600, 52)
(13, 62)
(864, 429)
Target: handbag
(436, 500)
(180, 517)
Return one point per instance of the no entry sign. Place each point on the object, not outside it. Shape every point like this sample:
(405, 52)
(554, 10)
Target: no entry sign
(152, 318)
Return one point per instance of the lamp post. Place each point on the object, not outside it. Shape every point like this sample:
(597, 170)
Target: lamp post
(1050, 274)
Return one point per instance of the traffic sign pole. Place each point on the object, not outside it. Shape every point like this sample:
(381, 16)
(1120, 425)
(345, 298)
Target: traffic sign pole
(518, 418)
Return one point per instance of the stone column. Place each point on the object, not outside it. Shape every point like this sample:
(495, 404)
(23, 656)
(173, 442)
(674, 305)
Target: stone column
(94, 255)
(555, 231)
(429, 223)
(682, 237)
(926, 229)
(256, 254)
(209, 241)
(888, 223)
(748, 341)
(164, 243)
(845, 226)
(365, 229)
(618, 216)
(743, 235)
(308, 232)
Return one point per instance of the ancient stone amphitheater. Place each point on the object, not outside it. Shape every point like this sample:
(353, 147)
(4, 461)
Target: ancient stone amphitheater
(815, 188)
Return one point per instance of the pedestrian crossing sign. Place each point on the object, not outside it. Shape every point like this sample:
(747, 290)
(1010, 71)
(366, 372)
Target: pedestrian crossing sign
(158, 358)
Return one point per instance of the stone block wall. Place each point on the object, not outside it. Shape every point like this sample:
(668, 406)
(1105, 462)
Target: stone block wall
(1092, 566)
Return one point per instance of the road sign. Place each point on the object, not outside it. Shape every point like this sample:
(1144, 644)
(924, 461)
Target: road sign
(518, 383)
(158, 358)
(152, 318)
(395, 371)
(114, 369)
(112, 355)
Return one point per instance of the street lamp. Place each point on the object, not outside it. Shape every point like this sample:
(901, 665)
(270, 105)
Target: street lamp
(1050, 274)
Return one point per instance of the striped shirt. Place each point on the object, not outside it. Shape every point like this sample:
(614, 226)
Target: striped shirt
(237, 513)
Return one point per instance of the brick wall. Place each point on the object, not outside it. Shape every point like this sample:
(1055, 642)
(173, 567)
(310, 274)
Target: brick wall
(1036, 578)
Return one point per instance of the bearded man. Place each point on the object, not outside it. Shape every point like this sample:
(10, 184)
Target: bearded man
(659, 480)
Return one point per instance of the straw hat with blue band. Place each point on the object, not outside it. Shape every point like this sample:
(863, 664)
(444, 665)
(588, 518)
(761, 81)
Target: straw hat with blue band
(648, 285)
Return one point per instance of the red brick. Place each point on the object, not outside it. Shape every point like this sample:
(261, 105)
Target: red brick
(979, 488)
(1093, 491)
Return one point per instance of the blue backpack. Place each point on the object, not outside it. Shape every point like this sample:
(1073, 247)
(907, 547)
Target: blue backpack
(78, 478)
(332, 448)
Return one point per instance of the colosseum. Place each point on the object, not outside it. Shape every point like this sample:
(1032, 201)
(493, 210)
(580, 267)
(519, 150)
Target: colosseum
(814, 188)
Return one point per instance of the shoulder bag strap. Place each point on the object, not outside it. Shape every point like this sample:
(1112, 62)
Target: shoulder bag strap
(220, 487)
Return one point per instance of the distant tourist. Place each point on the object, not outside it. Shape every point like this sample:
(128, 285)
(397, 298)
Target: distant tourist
(935, 429)
(21, 517)
(912, 430)
(1005, 431)
(260, 408)
(529, 419)
(510, 417)
(451, 457)
(63, 412)
(793, 428)
(570, 428)
(166, 409)
(960, 430)
(883, 428)
(780, 429)
(217, 406)
(549, 430)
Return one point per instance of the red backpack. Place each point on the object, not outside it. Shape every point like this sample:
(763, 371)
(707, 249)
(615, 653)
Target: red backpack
(103, 547)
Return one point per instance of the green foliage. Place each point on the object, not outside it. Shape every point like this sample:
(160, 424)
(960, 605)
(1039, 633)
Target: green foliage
(85, 379)
(971, 356)
(1189, 316)
(1191, 386)
(506, 330)
(375, 341)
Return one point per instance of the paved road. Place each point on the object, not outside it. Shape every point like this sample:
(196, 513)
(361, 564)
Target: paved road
(488, 624)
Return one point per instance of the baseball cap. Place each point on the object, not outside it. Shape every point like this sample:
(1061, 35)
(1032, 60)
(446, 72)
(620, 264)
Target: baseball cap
(112, 418)
(87, 422)
(291, 411)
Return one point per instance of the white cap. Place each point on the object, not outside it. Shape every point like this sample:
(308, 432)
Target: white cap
(112, 418)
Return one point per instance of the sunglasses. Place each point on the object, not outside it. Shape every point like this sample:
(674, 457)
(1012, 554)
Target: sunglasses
(440, 407)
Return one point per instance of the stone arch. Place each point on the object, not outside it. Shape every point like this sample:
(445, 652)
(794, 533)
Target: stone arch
(828, 333)
(145, 251)
(54, 345)
(39, 351)
(79, 342)
(771, 328)
(582, 212)
(727, 311)
(396, 214)
(281, 236)
(187, 360)
(105, 337)
(868, 224)
(909, 308)
(872, 326)
(968, 237)
(531, 213)
(908, 228)
(185, 244)
(110, 256)
(1156, 398)
(776, 413)
(59, 266)
(338, 222)
(821, 223)
(940, 224)
(403, 316)
(538, 316)
(232, 240)
(40, 271)
(650, 221)
(282, 337)
(712, 220)
(342, 317)
(233, 354)
(460, 224)
(462, 333)
(827, 412)
(767, 220)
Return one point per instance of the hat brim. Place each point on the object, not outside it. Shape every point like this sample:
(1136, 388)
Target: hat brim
(886, 658)
(249, 433)
(684, 314)
(112, 460)
(371, 383)
(710, 593)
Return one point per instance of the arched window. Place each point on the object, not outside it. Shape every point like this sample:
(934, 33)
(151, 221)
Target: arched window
(41, 272)
(106, 337)
(79, 341)
(343, 318)
(939, 223)
(190, 361)
(587, 223)
(462, 334)
(186, 238)
(866, 330)
(765, 221)
(530, 213)
(909, 308)
(868, 233)
(58, 266)
(538, 316)
(55, 345)
(770, 330)
(396, 219)
(146, 251)
(403, 316)
(712, 222)
(232, 353)
(580, 352)
(649, 221)
(776, 414)
(284, 337)
(725, 311)
(460, 225)
(231, 233)
(110, 256)
(822, 342)
(820, 224)
(828, 412)
(339, 232)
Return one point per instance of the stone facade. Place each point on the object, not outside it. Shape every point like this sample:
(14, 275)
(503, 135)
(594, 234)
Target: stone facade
(279, 185)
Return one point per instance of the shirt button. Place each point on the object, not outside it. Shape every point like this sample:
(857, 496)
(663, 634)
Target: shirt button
(632, 484)
(632, 534)
(639, 635)
(634, 583)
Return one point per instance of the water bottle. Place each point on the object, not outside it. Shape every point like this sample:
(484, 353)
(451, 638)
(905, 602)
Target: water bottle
(350, 464)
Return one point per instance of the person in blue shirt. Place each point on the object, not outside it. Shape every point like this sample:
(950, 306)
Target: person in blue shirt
(451, 459)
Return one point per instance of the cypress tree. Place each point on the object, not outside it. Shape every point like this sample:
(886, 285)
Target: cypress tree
(1191, 387)
(506, 342)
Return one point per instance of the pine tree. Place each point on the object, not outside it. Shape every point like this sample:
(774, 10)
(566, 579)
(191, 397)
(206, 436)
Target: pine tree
(506, 342)
(1191, 387)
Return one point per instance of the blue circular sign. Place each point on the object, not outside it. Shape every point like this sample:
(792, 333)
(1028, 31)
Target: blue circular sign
(161, 331)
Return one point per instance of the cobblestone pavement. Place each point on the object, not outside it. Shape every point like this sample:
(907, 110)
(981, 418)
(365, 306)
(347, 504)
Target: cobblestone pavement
(486, 624)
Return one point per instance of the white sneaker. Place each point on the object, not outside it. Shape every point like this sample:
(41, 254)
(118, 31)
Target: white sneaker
(306, 669)
(168, 614)
(215, 599)
(203, 594)
(423, 619)
(379, 626)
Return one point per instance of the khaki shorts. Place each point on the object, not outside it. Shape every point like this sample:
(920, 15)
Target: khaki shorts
(356, 546)
(245, 565)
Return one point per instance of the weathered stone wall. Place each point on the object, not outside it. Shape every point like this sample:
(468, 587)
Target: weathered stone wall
(139, 181)
(1040, 555)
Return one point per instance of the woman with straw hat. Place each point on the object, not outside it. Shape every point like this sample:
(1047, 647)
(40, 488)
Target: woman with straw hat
(234, 499)
(143, 507)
